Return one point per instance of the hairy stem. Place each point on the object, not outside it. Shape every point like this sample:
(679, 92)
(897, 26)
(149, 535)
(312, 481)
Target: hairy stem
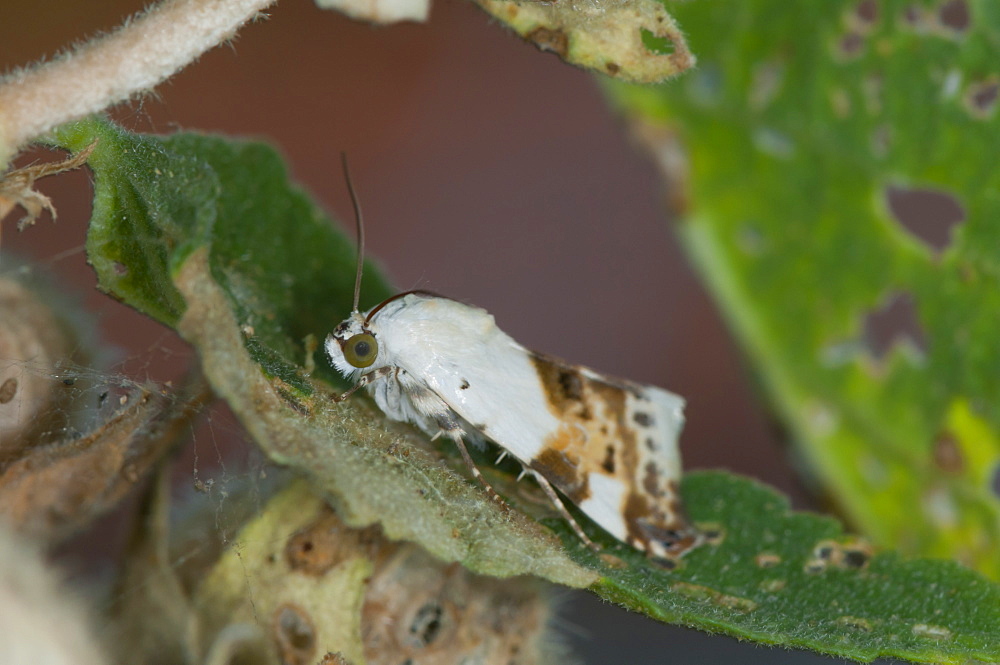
(106, 70)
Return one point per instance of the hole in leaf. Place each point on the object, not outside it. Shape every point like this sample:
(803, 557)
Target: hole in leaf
(294, 634)
(954, 15)
(555, 41)
(947, 454)
(981, 97)
(426, 624)
(655, 43)
(928, 214)
(852, 555)
(866, 13)
(894, 323)
(850, 45)
(913, 17)
(855, 558)
(8, 390)
(120, 269)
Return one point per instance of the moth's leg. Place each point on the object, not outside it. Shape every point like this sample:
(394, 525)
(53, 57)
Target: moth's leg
(365, 379)
(429, 404)
(561, 507)
(451, 429)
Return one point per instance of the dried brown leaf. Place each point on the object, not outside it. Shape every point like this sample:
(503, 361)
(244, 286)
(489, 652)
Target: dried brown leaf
(53, 490)
(604, 36)
(17, 188)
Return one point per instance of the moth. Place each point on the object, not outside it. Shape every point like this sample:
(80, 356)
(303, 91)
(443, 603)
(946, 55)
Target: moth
(608, 445)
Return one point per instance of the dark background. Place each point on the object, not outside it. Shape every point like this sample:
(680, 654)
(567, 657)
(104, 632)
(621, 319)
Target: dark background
(489, 172)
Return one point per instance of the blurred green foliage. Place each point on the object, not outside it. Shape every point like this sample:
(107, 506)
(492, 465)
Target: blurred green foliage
(833, 169)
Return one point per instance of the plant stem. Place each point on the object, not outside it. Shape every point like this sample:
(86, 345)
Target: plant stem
(105, 70)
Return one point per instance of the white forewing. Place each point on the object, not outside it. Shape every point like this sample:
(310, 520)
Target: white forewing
(460, 354)
(608, 445)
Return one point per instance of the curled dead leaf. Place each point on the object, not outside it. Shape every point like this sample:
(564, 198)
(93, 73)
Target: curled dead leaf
(52, 491)
(17, 188)
(609, 37)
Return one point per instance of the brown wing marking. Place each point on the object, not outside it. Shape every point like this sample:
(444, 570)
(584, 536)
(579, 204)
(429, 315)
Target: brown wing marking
(600, 432)
(564, 385)
(563, 471)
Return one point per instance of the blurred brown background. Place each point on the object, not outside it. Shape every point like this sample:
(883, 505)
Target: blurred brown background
(488, 172)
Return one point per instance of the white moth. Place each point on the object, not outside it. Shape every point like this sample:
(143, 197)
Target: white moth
(610, 446)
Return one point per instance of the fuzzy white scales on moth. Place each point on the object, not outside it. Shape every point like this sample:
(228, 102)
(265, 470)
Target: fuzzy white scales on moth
(610, 446)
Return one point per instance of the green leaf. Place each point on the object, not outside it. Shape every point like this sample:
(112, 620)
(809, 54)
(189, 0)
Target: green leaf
(787, 152)
(374, 471)
(157, 199)
(246, 269)
(795, 579)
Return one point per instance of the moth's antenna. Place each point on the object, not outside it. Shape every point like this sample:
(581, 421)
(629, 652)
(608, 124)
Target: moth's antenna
(361, 231)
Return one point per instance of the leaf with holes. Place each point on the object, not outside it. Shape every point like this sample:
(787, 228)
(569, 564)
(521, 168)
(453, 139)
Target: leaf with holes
(768, 575)
(836, 184)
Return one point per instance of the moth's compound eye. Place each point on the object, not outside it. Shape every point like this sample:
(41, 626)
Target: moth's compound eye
(360, 350)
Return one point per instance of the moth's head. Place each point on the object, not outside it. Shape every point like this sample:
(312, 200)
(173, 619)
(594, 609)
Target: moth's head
(352, 346)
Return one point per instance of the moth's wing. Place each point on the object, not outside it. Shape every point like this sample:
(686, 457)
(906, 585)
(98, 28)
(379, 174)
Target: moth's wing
(492, 385)
(458, 352)
(620, 441)
(610, 446)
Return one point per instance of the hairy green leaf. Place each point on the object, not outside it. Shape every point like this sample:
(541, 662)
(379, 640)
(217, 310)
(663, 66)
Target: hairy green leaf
(795, 579)
(250, 268)
(765, 575)
(158, 198)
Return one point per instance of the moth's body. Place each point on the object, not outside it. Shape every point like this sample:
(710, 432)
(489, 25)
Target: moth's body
(610, 446)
